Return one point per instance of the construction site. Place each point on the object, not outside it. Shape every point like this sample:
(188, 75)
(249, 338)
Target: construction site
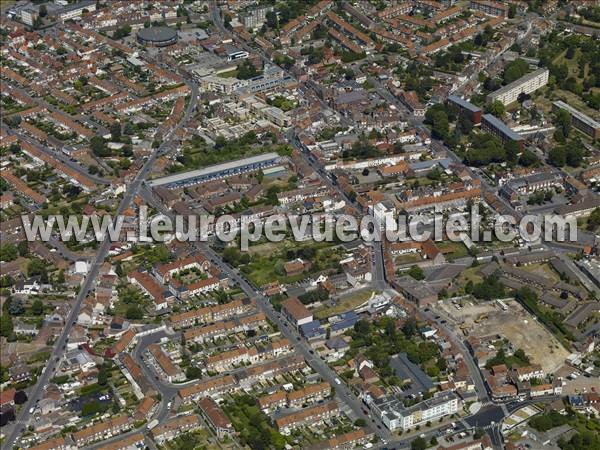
(506, 318)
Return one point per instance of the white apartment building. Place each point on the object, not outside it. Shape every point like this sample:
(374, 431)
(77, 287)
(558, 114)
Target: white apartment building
(395, 415)
(526, 84)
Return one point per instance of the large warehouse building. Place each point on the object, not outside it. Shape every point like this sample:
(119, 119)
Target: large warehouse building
(210, 173)
(157, 36)
(526, 84)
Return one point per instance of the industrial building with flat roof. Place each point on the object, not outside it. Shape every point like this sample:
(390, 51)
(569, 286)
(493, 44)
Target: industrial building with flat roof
(583, 123)
(527, 84)
(491, 124)
(210, 173)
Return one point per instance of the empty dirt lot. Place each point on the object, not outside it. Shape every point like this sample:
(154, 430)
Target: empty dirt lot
(515, 324)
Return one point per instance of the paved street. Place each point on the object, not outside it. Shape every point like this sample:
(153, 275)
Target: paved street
(287, 329)
(24, 415)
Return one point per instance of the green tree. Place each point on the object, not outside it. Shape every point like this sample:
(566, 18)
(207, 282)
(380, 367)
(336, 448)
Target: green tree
(8, 252)
(496, 108)
(479, 433)
(557, 156)
(416, 272)
(515, 70)
(246, 70)
(272, 20)
(362, 327)
(60, 278)
(103, 376)
(37, 307)
(512, 150)
(563, 122)
(134, 312)
(575, 154)
(594, 220)
(115, 131)
(437, 117)
(418, 443)
(528, 159)
(23, 248)
(410, 327)
(99, 147)
(6, 325)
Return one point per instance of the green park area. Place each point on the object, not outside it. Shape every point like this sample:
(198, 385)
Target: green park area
(265, 263)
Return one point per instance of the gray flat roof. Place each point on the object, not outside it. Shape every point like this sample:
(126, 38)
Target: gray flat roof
(213, 169)
(514, 84)
(464, 103)
(581, 116)
(505, 129)
(406, 369)
(157, 34)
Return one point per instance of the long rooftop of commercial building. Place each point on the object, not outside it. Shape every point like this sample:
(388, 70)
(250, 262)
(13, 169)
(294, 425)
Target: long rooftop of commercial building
(211, 170)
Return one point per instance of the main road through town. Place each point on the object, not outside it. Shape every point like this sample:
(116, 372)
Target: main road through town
(287, 329)
(61, 344)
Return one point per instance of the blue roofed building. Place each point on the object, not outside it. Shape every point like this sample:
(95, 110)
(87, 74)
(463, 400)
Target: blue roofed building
(345, 322)
(313, 330)
(576, 401)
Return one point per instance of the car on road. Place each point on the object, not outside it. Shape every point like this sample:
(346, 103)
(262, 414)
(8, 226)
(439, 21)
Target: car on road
(337, 380)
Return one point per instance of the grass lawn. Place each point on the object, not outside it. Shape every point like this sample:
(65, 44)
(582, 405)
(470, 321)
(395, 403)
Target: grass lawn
(409, 258)
(228, 74)
(264, 249)
(195, 439)
(263, 268)
(471, 274)
(571, 63)
(542, 269)
(6, 3)
(576, 102)
(344, 304)
(453, 250)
